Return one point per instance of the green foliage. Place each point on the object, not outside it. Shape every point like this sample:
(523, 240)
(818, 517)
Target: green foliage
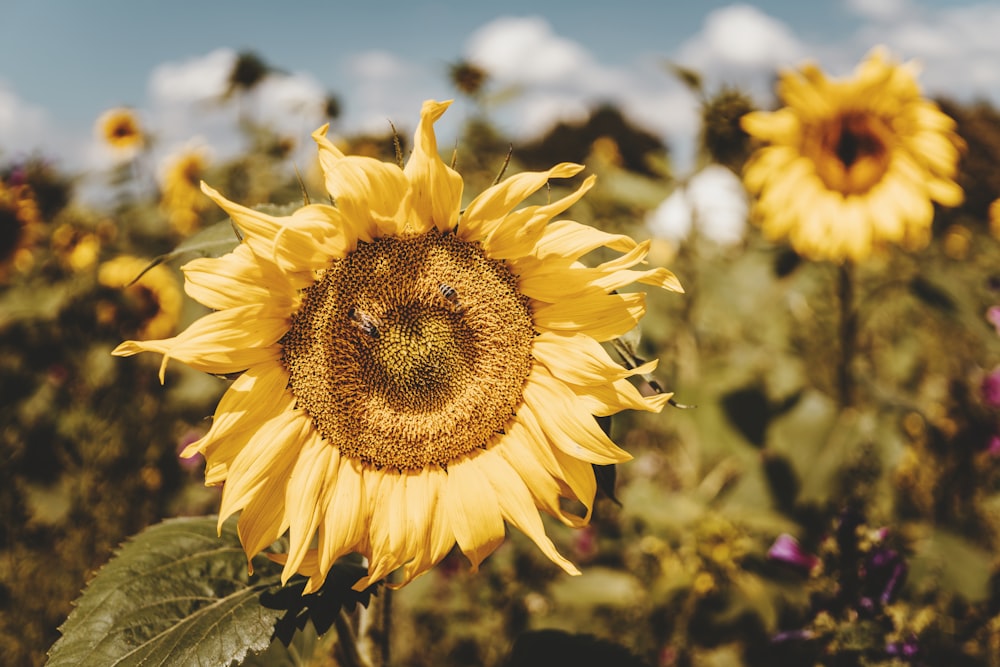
(174, 594)
(179, 593)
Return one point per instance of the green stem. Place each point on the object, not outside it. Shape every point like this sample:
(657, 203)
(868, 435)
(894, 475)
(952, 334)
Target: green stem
(347, 644)
(848, 335)
(374, 629)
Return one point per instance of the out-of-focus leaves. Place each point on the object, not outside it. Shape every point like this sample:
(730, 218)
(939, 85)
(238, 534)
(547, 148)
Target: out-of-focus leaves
(932, 295)
(544, 647)
(951, 562)
(782, 480)
(748, 411)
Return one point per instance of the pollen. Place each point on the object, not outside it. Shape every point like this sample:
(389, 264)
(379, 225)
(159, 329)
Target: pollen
(411, 352)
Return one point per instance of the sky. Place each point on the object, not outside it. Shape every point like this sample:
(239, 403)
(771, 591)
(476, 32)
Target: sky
(64, 62)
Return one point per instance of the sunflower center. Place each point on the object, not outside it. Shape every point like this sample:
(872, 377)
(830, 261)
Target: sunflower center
(853, 152)
(411, 352)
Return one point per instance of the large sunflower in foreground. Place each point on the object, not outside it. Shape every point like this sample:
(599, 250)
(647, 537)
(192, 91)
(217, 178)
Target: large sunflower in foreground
(414, 375)
(852, 163)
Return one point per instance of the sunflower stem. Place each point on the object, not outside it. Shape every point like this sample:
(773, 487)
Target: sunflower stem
(374, 629)
(347, 645)
(848, 334)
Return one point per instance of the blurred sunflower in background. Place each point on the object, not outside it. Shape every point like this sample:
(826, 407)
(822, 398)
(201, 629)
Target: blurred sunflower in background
(120, 130)
(20, 226)
(414, 375)
(182, 200)
(153, 298)
(852, 163)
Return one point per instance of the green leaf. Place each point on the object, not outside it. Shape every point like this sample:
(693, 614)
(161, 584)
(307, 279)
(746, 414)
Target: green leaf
(174, 594)
(213, 241)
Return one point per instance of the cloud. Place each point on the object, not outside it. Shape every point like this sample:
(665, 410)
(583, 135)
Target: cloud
(384, 87)
(26, 128)
(186, 100)
(956, 46)
(526, 50)
(193, 80)
(558, 79)
(741, 37)
(878, 10)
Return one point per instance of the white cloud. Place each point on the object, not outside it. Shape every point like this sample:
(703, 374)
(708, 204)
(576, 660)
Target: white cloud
(26, 127)
(385, 87)
(743, 37)
(526, 50)
(713, 201)
(879, 10)
(193, 80)
(956, 46)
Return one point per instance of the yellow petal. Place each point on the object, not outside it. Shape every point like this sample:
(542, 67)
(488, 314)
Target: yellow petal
(517, 506)
(303, 496)
(236, 279)
(579, 359)
(228, 341)
(371, 194)
(437, 189)
(473, 511)
(517, 234)
(569, 240)
(566, 421)
(487, 211)
(601, 316)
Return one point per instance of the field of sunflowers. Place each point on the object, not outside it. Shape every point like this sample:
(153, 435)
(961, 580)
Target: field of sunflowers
(411, 406)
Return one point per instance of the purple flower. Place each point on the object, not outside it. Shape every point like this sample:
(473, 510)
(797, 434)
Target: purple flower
(906, 650)
(989, 388)
(993, 449)
(884, 574)
(786, 549)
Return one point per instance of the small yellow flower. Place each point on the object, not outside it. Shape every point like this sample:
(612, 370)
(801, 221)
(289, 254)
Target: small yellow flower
(155, 296)
(77, 249)
(20, 224)
(182, 199)
(852, 163)
(415, 373)
(994, 216)
(119, 129)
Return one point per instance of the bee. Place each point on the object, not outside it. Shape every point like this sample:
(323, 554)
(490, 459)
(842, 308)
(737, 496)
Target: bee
(451, 296)
(365, 323)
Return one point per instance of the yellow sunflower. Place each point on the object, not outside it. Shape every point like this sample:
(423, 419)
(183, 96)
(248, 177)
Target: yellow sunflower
(120, 129)
(20, 224)
(994, 218)
(182, 199)
(852, 163)
(414, 375)
(155, 297)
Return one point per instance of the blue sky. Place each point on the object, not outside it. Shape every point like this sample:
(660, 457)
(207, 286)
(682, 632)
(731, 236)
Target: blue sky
(65, 61)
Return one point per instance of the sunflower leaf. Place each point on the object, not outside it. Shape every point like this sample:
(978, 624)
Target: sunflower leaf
(174, 594)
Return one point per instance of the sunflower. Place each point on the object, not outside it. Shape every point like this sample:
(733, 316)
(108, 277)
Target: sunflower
(994, 218)
(20, 225)
(152, 293)
(414, 375)
(182, 199)
(120, 129)
(852, 163)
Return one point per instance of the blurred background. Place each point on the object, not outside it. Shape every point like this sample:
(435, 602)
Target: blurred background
(832, 498)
